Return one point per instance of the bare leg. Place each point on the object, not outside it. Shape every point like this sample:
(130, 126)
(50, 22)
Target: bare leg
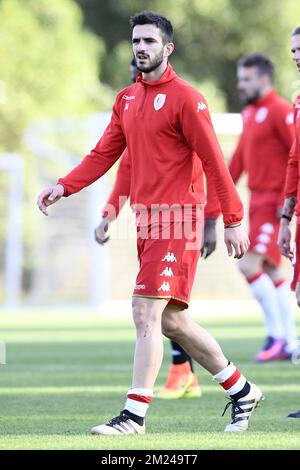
(274, 273)
(250, 264)
(178, 325)
(149, 343)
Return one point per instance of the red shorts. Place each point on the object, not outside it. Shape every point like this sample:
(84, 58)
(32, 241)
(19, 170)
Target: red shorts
(296, 259)
(168, 260)
(264, 226)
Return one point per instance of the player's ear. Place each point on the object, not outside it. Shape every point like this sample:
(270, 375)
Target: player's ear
(169, 48)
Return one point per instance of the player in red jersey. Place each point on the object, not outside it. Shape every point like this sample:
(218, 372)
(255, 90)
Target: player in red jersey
(165, 124)
(181, 382)
(262, 152)
(292, 192)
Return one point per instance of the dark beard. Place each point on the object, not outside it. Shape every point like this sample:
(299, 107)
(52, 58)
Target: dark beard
(252, 99)
(157, 61)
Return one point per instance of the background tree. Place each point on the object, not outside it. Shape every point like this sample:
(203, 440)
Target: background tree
(209, 36)
(49, 66)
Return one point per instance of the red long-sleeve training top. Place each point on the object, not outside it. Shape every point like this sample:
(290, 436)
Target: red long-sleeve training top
(163, 124)
(292, 184)
(121, 190)
(263, 148)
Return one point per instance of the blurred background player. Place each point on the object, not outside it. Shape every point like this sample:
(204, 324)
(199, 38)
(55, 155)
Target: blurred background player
(292, 192)
(181, 382)
(262, 152)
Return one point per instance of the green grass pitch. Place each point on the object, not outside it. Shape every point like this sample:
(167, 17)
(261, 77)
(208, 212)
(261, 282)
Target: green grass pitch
(68, 371)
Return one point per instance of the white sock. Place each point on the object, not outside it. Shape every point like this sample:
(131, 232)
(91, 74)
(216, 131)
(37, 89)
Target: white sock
(230, 379)
(138, 401)
(264, 291)
(284, 301)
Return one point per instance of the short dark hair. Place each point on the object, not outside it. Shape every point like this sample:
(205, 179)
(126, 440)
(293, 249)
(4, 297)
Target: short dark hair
(296, 31)
(262, 62)
(150, 17)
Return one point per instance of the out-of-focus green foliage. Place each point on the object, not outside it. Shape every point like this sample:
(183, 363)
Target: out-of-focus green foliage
(210, 36)
(48, 64)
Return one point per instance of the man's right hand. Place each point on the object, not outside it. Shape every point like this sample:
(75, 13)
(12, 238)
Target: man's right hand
(284, 239)
(236, 240)
(49, 196)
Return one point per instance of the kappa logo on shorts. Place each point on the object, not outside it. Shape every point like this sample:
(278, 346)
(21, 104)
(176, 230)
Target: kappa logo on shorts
(167, 272)
(164, 287)
(263, 238)
(170, 257)
(159, 101)
(260, 248)
(140, 287)
(267, 228)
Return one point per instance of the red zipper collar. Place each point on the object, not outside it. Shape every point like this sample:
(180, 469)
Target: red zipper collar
(167, 76)
(266, 100)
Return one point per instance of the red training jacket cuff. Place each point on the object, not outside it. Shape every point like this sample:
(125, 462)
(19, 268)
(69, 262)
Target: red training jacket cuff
(60, 181)
(293, 194)
(212, 215)
(232, 219)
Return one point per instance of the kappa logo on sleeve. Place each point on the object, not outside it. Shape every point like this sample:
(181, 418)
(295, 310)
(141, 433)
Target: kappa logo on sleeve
(165, 287)
(140, 287)
(159, 101)
(201, 106)
(167, 272)
(170, 257)
(128, 97)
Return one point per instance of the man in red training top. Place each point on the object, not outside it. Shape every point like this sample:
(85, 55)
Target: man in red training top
(181, 382)
(262, 153)
(164, 123)
(292, 192)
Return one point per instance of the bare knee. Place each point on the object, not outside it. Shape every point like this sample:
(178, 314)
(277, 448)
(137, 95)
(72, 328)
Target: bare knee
(145, 312)
(169, 327)
(243, 266)
(249, 265)
(274, 273)
(172, 322)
